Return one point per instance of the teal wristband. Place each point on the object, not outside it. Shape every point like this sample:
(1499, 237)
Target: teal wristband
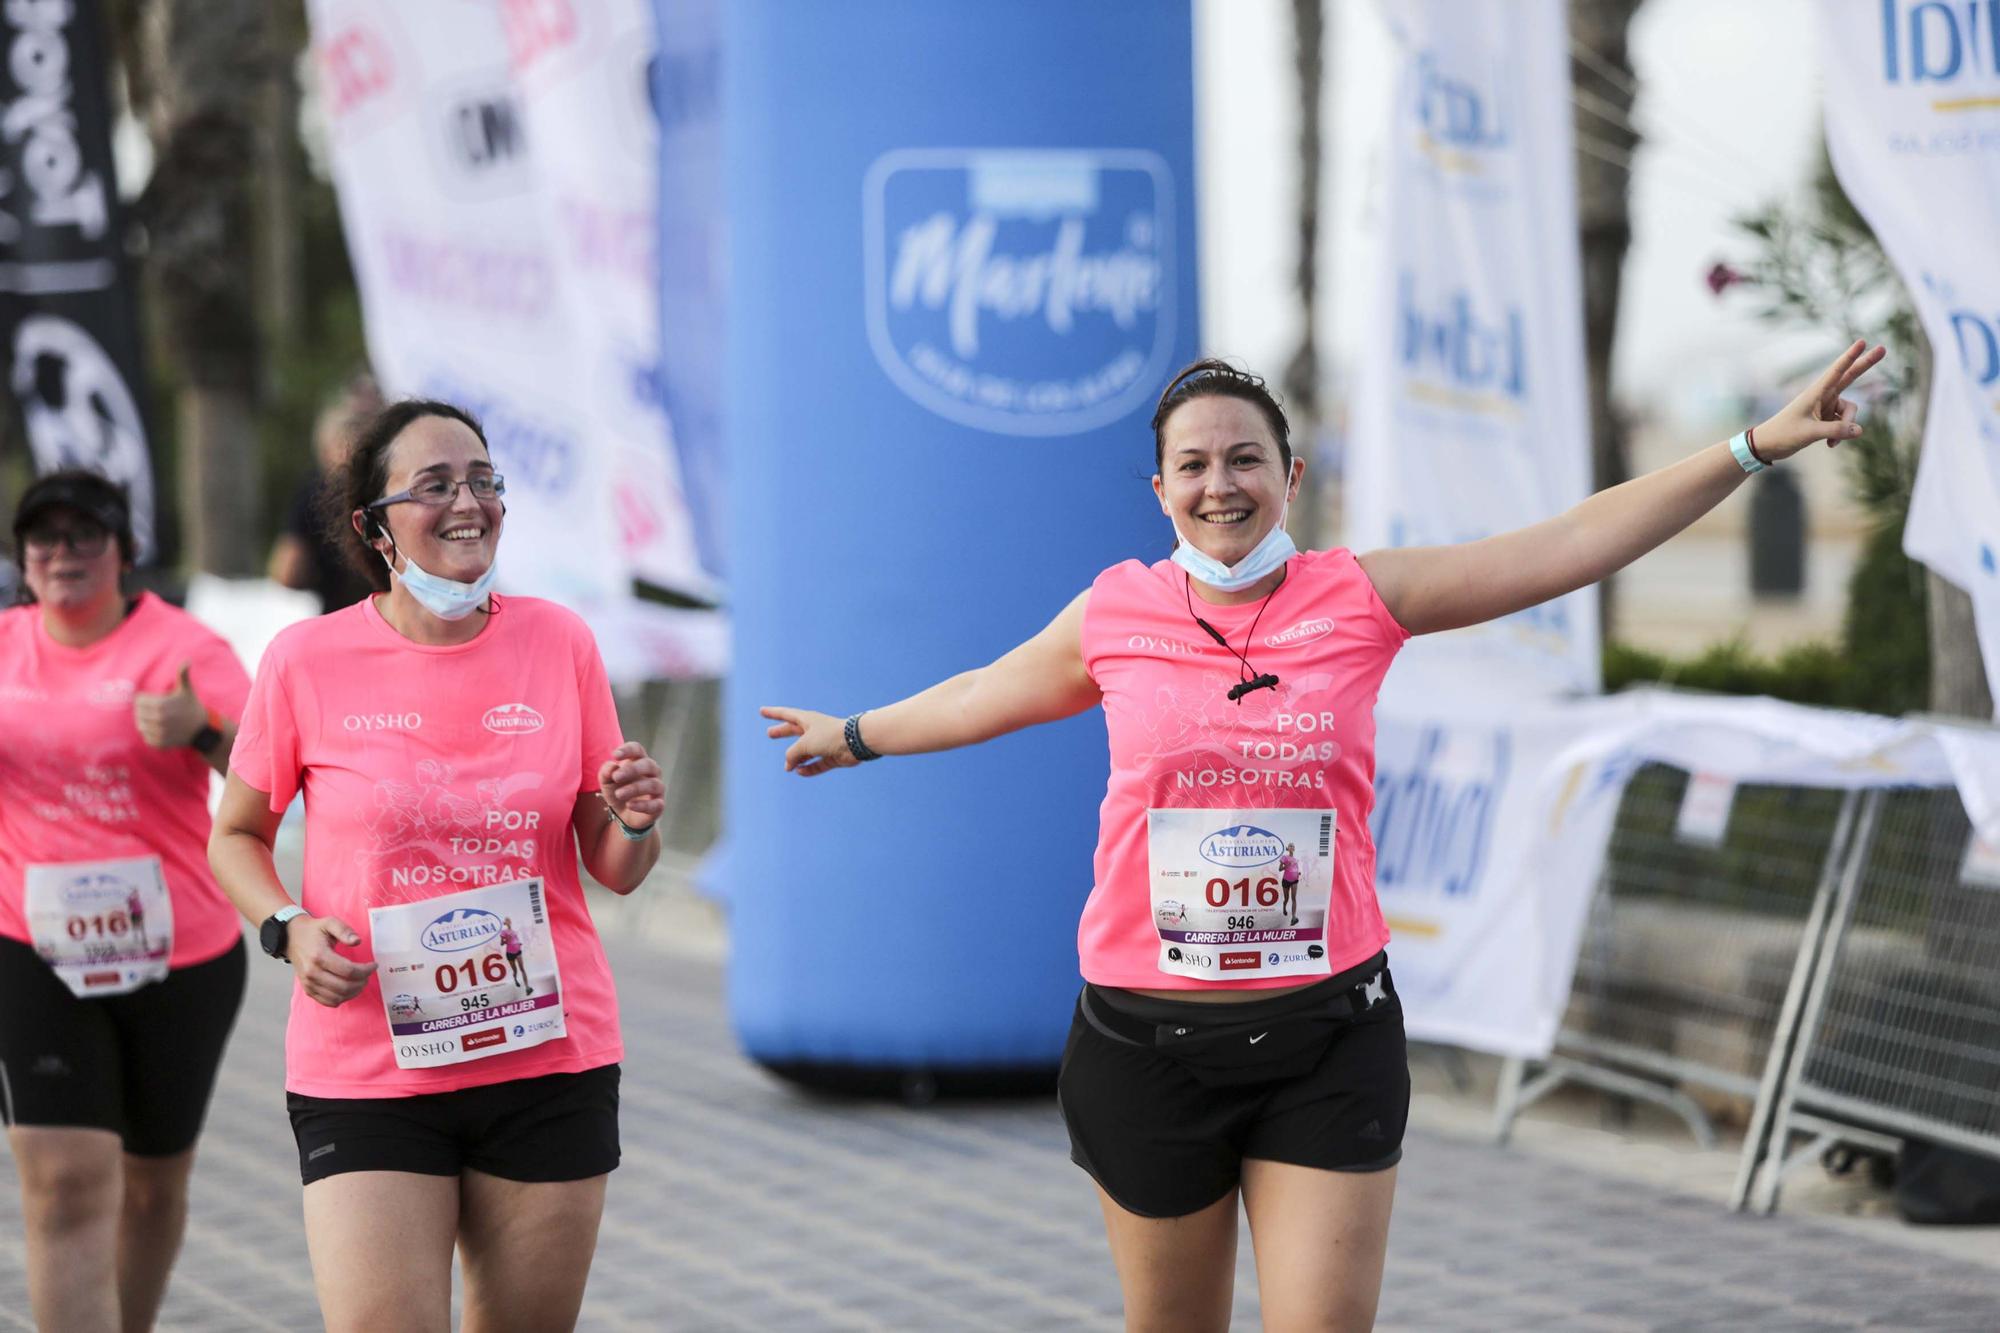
(1746, 458)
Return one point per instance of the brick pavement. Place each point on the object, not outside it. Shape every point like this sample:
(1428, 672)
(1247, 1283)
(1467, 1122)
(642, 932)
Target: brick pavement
(743, 1204)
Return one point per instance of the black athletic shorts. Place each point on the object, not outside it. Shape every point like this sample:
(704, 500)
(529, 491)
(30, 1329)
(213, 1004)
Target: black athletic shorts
(555, 1127)
(141, 1065)
(1165, 1098)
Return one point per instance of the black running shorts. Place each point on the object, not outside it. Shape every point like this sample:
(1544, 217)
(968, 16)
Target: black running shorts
(555, 1127)
(1165, 1098)
(141, 1065)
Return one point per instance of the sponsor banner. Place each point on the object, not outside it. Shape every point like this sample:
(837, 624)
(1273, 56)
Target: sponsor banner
(1490, 837)
(972, 281)
(1470, 410)
(470, 145)
(1913, 128)
(687, 104)
(583, 83)
(68, 317)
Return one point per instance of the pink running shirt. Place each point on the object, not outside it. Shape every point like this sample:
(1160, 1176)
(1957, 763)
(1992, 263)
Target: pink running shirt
(78, 784)
(1177, 741)
(427, 770)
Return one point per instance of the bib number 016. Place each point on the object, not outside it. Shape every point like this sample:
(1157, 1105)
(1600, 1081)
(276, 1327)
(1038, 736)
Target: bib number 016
(1266, 891)
(472, 971)
(101, 925)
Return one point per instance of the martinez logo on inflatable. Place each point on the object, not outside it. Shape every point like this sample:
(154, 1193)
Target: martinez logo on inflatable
(1023, 292)
(460, 929)
(1242, 846)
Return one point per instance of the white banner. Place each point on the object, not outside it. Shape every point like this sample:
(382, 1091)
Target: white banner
(1470, 407)
(1491, 836)
(517, 284)
(1913, 128)
(583, 73)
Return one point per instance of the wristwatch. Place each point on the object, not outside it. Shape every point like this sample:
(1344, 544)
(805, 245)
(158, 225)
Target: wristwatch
(211, 732)
(273, 935)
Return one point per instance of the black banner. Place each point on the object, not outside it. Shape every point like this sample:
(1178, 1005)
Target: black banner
(69, 335)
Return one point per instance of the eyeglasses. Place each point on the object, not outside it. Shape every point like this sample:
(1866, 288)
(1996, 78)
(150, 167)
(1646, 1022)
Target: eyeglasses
(86, 542)
(437, 492)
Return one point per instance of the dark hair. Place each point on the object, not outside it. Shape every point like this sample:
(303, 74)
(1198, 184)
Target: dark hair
(1212, 377)
(91, 494)
(364, 479)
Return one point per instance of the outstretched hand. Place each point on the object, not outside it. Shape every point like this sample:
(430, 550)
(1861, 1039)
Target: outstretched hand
(1819, 412)
(821, 746)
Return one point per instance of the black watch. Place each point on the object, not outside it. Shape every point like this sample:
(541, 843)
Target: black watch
(204, 740)
(275, 933)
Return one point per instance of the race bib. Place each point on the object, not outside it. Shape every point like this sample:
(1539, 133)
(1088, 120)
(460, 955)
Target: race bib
(468, 975)
(1224, 902)
(105, 927)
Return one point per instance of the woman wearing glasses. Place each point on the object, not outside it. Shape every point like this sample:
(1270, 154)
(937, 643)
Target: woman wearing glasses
(1238, 681)
(121, 962)
(457, 750)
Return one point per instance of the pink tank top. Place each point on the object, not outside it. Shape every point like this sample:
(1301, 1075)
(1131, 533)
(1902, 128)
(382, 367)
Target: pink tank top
(1179, 743)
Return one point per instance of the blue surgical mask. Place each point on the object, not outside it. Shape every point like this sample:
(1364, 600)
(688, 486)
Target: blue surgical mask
(447, 599)
(1267, 555)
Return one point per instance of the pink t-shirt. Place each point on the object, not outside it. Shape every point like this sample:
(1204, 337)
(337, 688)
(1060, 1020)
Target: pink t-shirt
(77, 783)
(1178, 742)
(428, 770)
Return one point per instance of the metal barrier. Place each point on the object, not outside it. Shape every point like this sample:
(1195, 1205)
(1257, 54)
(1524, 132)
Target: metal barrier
(1692, 946)
(1900, 1030)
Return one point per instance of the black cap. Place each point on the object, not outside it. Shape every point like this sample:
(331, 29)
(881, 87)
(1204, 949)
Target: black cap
(95, 497)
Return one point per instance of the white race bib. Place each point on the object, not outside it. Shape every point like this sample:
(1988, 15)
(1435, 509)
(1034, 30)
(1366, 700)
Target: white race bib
(468, 975)
(106, 927)
(1220, 904)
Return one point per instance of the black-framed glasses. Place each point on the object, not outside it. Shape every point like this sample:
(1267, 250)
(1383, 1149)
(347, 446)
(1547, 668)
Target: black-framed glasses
(86, 541)
(437, 492)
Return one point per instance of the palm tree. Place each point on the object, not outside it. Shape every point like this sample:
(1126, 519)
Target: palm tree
(198, 71)
(1603, 86)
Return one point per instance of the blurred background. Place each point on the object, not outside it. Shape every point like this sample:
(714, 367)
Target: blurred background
(631, 236)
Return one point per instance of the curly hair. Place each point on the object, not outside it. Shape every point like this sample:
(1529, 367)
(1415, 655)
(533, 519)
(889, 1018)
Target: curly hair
(364, 479)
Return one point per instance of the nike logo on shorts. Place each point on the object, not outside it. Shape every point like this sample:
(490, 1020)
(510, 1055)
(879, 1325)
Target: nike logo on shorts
(1259, 1037)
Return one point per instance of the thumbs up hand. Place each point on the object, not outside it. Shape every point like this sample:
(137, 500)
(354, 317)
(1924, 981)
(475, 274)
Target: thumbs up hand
(168, 721)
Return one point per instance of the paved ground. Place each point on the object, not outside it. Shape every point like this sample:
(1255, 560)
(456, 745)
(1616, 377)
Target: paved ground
(745, 1205)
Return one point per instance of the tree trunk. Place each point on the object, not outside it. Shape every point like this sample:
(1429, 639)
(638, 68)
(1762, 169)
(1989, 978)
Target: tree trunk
(1604, 85)
(1301, 379)
(1958, 673)
(206, 63)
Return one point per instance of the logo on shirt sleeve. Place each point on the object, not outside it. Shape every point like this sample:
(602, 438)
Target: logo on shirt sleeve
(512, 720)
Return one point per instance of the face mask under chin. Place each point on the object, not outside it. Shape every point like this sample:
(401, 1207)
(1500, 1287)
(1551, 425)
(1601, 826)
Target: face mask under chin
(447, 599)
(1270, 553)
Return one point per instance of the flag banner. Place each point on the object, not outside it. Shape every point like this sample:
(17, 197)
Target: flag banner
(470, 145)
(1470, 407)
(68, 312)
(687, 99)
(1913, 128)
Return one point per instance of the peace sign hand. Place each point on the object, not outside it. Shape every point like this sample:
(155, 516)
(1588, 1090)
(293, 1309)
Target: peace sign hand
(1819, 412)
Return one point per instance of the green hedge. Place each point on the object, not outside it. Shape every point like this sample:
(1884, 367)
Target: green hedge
(1881, 664)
